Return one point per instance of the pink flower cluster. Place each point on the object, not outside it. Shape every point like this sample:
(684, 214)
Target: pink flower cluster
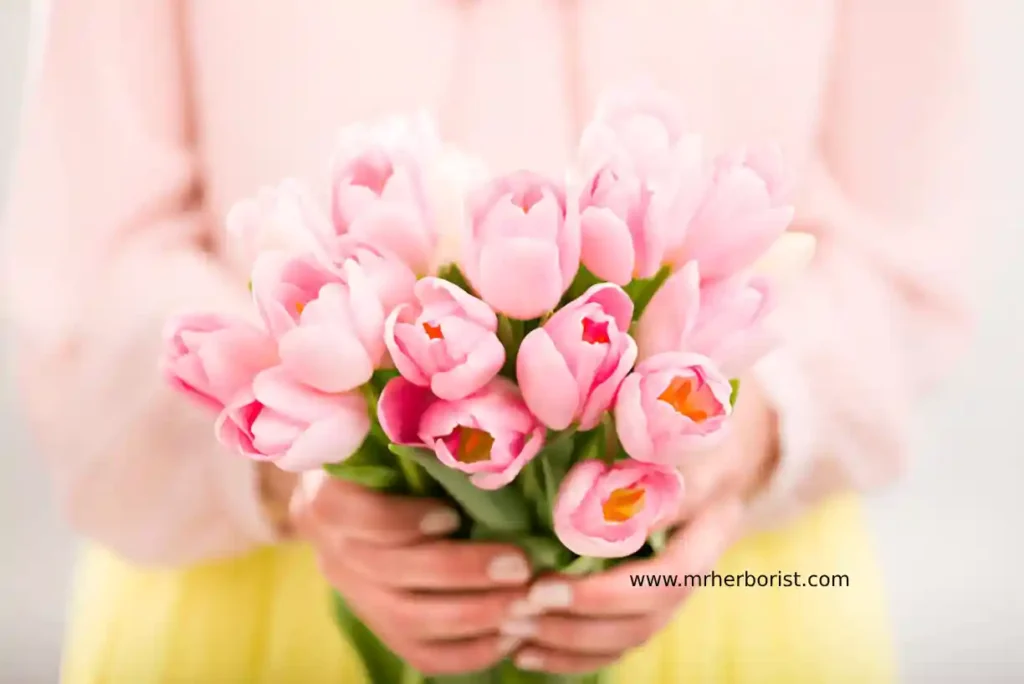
(349, 284)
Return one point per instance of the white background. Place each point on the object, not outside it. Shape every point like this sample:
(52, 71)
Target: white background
(950, 535)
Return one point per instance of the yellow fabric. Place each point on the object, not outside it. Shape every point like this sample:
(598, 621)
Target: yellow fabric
(265, 619)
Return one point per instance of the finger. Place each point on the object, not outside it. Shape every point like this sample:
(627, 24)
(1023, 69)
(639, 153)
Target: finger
(581, 635)
(345, 509)
(425, 617)
(537, 659)
(458, 657)
(693, 550)
(438, 565)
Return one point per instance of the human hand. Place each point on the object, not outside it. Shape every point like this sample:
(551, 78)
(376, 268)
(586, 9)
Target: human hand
(584, 624)
(437, 603)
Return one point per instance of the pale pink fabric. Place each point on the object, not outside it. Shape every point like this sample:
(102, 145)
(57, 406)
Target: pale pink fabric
(151, 118)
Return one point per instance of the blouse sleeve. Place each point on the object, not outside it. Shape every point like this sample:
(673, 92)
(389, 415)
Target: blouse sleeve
(107, 237)
(881, 312)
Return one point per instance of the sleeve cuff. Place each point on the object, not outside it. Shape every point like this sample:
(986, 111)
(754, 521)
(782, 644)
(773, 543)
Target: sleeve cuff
(785, 386)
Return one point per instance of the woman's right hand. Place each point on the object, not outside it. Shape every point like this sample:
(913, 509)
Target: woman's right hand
(436, 603)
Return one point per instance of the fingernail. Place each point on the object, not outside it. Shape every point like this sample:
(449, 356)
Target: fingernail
(508, 644)
(440, 521)
(550, 595)
(519, 628)
(523, 608)
(511, 569)
(311, 481)
(529, 661)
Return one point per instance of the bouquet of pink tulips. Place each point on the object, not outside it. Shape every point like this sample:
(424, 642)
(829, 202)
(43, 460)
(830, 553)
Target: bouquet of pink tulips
(544, 352)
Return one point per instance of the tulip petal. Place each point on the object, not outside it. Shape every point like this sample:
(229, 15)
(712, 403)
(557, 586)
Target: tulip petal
(400, 410)
(481, 365)
(499, 478)
(327, 358)
(331, 440)
(520, 277)
(602, 396)
(607, 246)
(671, 314)
(631, 423)
(548, 388)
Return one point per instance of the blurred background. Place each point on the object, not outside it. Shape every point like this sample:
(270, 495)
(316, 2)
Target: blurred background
(950, 534)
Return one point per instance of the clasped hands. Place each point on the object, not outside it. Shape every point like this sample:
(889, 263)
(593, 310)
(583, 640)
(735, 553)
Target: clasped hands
(450, 607)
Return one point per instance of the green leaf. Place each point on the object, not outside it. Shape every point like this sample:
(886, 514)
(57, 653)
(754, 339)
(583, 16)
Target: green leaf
(584, 565)
(658, 540)
(504, 510)
(735, 383)
(545, 553)
(452, 274)
(555, 459)
(381, 665)
(376, 477)
(381, 378)
(583, 281)
(643, 291)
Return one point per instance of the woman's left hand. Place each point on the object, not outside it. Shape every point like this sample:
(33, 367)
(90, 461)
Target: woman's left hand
(587, 623)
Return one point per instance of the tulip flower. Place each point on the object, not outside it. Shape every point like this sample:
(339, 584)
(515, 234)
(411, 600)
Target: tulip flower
(211, 358)
(445, 341)
(379, 190)
(523, 248)
(609, 511)
(642, 180)
(672, 405)
(723, 320)
(329, 322)
(292, 425)
(282, 218)
(570, 369)
(489, 435)
(743, 213)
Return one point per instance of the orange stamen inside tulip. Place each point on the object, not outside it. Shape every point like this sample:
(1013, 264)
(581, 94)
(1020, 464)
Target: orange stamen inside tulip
(682, 395)
(299, 307)
(623, 503)
(433, 331)
(474, 445)
(594, 332)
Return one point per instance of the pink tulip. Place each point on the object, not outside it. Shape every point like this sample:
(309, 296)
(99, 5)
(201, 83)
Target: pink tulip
(329, 322)
(445, 341)
(609, 511)
(212, 359)
(523, 249)
(643, 179)
(723, 320)
(379, 188)
(640, 126)
(489, 435)
(285, 218)
(672, 404)
(570, 369)
(742, 214)
(292, 425)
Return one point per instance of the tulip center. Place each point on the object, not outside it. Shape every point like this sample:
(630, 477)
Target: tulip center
(623, 503)
(688, 397)
(299, 307)
(595, 332)
(433, 331)
(474, 445)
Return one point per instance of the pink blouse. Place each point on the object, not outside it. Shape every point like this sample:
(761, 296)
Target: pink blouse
(149, 119)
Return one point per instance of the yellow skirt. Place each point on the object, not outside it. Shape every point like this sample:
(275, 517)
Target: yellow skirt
(265, 619)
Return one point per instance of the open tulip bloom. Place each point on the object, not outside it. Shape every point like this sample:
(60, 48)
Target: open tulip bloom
(545, 354)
